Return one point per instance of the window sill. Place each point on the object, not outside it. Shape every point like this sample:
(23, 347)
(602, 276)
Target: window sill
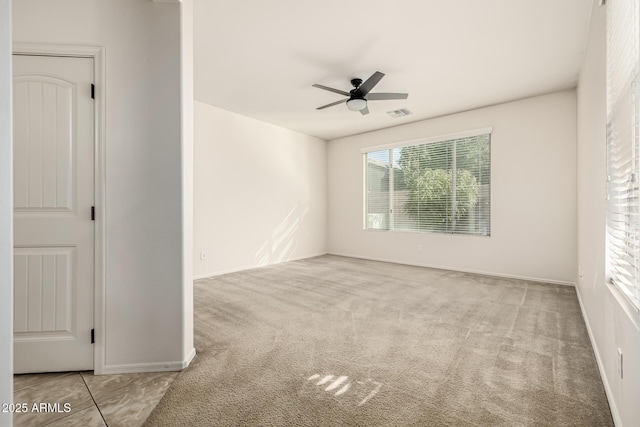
(421, 232)
(629, 308)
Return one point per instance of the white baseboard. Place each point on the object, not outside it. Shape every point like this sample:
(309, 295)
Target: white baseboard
(603, 374)
(187, 361)
(440, 267)
(251, 267)
(136, 368)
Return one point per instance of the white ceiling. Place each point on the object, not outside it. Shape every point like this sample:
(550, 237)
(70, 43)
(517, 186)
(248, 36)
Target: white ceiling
(259, 58)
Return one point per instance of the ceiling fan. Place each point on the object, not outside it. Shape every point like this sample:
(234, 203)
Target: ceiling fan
(359, 95)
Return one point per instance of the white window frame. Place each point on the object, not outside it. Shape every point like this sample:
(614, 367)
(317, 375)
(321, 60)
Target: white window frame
(419, 141)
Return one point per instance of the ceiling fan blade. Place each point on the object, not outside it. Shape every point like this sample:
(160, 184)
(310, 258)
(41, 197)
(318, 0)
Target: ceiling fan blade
(330, 89)
(366, 87)
(365, 110)
(383, 96)
(332, 104)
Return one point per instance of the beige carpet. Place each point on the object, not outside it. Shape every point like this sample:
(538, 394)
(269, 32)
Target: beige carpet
(333, 341)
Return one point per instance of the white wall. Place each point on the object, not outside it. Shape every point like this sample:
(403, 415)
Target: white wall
(144, 217)
(260, 193)
(6, 215)
(610, 327)
(533, 197)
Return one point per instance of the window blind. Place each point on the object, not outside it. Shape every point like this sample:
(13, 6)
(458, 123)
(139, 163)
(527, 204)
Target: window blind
(623, 149)
(439, 186)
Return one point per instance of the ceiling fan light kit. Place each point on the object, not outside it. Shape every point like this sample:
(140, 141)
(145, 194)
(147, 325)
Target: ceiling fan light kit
(359, 95)
(356, 104)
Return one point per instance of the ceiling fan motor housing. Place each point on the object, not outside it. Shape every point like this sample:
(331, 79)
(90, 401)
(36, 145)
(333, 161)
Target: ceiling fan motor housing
(356, 84)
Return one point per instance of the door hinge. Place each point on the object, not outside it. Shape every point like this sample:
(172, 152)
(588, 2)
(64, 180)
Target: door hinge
(93, 91)
(93, 213)
(93, 336)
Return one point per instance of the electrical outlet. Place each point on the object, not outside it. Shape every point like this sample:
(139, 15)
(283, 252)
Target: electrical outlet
(203, 255)
(420, 248)
(620, 363)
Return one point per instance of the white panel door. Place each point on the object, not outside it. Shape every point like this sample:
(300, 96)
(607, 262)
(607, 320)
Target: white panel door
(53, 198)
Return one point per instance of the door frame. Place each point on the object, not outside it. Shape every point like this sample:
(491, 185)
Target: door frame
(98, 55)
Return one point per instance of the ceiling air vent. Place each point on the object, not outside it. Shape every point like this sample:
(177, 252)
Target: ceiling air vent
(399, 113)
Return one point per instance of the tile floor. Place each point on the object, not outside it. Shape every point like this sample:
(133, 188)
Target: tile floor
(102, 400)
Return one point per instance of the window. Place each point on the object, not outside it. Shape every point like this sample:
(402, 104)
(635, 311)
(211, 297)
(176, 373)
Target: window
(623, 150)
(437, 185)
